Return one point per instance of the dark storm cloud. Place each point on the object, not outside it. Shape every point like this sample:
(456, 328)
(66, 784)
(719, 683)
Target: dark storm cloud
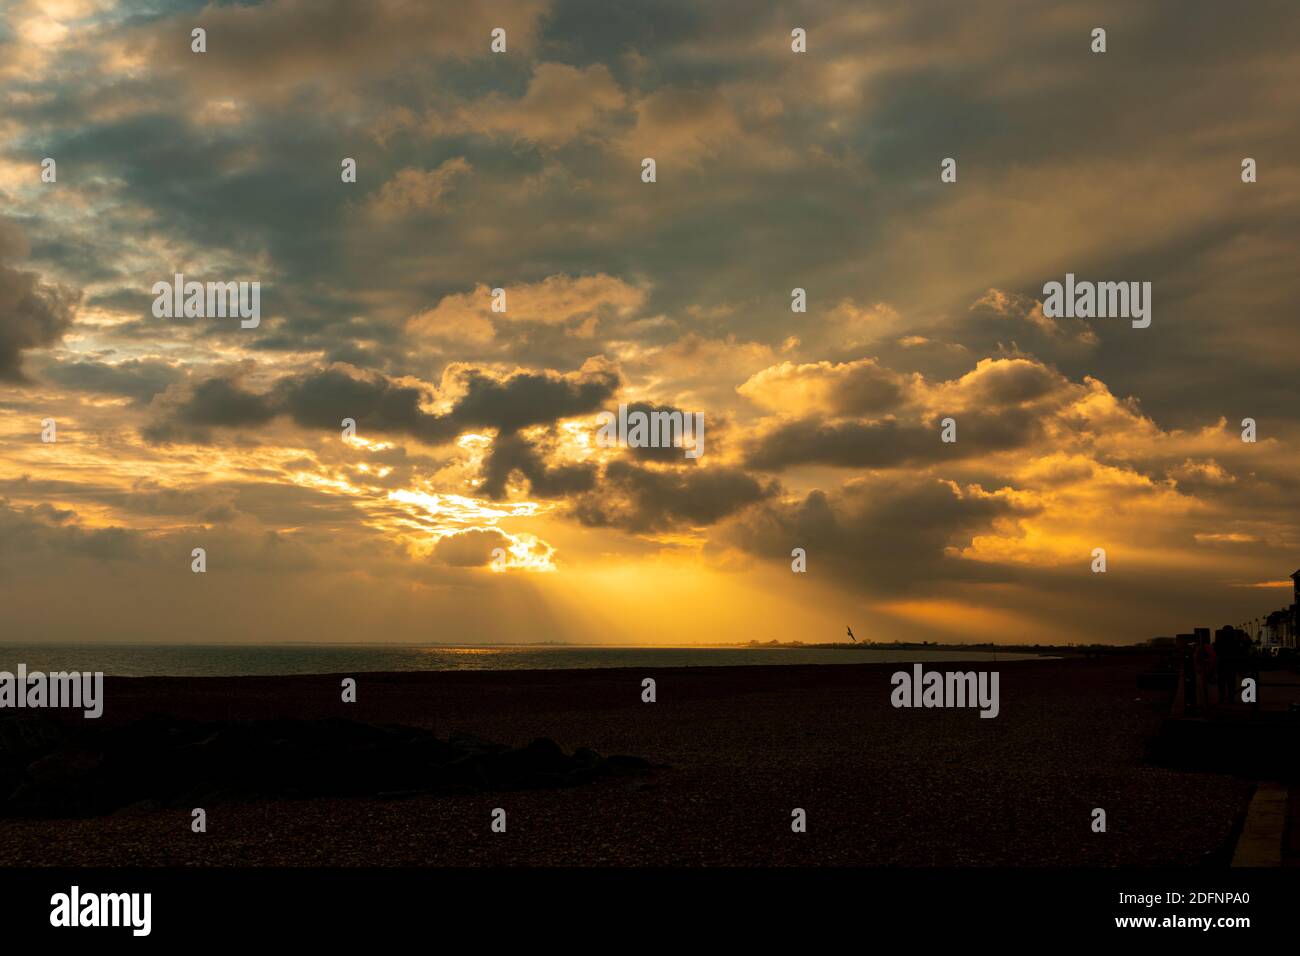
(512, 454)
(218, 401)
(32, 314)
(890, 443)
(507, 404)
(642, 499)
(527, 398)
(882, 536)
(187, 413)
(850, 444)
(323, 399)
(664, 454)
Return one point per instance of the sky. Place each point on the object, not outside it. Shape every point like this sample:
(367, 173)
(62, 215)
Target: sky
(775, 170)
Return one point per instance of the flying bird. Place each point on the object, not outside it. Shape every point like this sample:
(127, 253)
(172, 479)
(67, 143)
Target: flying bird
(851, 637)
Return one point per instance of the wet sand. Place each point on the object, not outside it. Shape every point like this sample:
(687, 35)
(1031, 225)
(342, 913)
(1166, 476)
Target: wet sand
(742, 747)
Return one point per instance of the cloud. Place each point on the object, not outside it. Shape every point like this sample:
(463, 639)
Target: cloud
(998, 316)
(32, 314)
(849, 388)
(43, 535)
(667, 454)
(1001, 404)
(283, 47)
(191, 410)
(138, 379)
(562, 103)
(682, 127)
(578, 303)
(639, 498)
(520, 171)
(511, 454)
(1000, 383)
(528, 398)
(844, 444)
(884, 535)
(323, 398)
(414, 191)
(470, 549)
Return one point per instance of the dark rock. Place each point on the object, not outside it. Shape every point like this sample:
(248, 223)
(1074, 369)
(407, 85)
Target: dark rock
(24, 735)
(54, 780)
(533, 765)
(171, 762)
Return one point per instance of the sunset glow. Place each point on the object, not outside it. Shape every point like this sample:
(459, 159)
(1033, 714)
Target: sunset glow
(497, 275)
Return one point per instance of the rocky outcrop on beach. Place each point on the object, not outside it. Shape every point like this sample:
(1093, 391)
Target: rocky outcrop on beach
(47, 770)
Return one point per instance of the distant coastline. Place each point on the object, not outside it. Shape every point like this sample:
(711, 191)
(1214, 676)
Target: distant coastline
(267, 660)
(1047, 648)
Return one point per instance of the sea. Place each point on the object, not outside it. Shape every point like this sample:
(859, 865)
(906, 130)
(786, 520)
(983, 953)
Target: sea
(233, 660)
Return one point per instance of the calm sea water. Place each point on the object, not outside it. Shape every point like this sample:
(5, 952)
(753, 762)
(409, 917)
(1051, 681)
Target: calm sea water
(140, 660)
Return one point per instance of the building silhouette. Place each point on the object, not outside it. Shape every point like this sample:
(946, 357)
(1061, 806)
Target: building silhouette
(1279, 628)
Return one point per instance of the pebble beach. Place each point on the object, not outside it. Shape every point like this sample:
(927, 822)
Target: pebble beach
(734, 751)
